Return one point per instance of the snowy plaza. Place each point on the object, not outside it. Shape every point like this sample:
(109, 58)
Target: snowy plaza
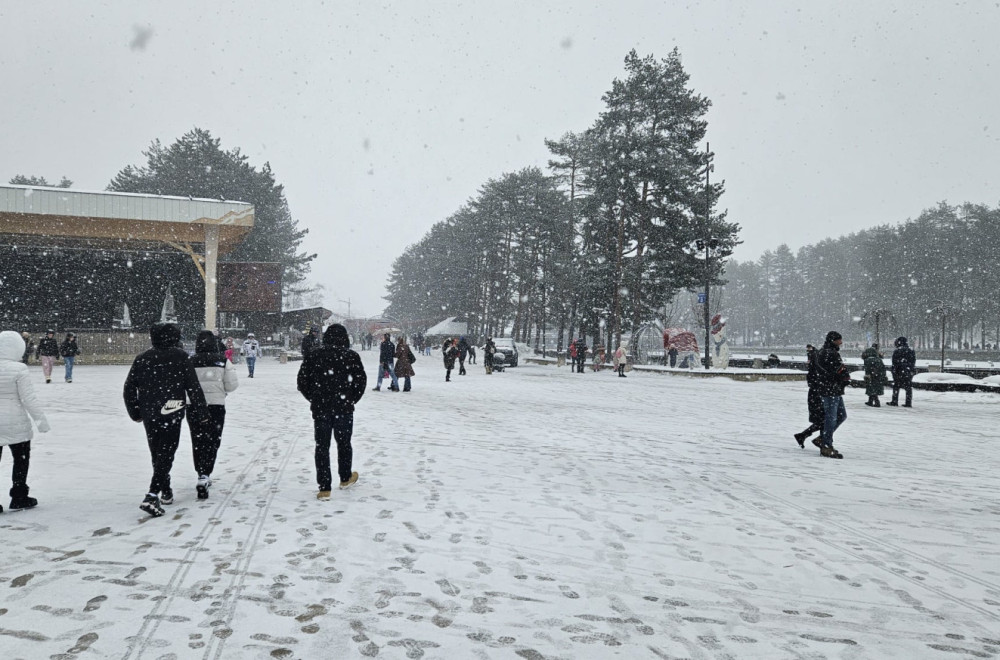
(532, 514)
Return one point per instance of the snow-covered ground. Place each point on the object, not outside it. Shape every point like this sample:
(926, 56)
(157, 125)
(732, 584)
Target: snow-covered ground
(535, 513)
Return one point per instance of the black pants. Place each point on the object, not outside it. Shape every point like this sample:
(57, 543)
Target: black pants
(163, 434)
(206, 439)
(905, 384)
(341, 426)
(579, 364)
(461, 367)
(19, 475)
(447, 373)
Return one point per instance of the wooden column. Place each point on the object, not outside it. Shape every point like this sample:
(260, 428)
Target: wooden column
(211, 268)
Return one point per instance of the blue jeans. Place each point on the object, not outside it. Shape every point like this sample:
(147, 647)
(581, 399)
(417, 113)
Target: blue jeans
(834, 415)
(341, 427)
(69, 360)
(392, 372)
(251, 361)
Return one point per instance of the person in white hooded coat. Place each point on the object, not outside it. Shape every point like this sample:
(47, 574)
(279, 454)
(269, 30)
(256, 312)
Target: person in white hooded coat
(217, 377)
(17, 402)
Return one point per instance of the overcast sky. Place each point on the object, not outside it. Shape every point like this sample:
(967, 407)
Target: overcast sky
(381, 119)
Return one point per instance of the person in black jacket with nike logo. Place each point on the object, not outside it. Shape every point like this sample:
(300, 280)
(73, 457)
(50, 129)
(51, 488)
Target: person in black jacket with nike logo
(155, 391)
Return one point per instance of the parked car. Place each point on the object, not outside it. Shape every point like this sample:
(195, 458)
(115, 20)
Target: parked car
(506, 347)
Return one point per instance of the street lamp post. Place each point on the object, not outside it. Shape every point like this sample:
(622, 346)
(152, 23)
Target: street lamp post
(708, 244)
(943, 309)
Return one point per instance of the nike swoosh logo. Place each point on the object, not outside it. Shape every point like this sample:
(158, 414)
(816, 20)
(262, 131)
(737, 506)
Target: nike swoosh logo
(171, 406)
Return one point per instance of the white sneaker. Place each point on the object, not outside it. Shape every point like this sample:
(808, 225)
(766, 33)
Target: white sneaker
(204, 481)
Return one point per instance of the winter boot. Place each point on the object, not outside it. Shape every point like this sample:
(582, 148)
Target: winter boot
(878, 404)
(826, 451)
(834, 453)
(892, 403)
(18, 503)
(19, 498)
(151, 505)
(818, 442)
(870, 401)
(167, 496)
(323, 494)
(350, 482)
(203, 483)
(801, 439)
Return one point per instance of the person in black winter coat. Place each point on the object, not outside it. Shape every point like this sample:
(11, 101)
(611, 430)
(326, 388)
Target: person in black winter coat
(448, 353)
(814, 402)
(155, 391)
(47, 352)
(333, 380)
(904, 365)
(69, 350)
(217, 377)
(386, 359)
(463, 352)
(311, 341)
(831, 379)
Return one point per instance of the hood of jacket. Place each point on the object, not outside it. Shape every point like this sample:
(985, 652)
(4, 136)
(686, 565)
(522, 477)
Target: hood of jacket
(900, 342)
(11, 346)
(164, 335)
(336, 335)
(207, 342)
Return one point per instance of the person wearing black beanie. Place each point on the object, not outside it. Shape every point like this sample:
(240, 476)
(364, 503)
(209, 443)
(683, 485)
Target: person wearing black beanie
(832, 378)
(160, 385)
(332, 379)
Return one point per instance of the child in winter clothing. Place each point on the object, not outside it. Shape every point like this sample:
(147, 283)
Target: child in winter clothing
(17, 402)
(155, 390)
(217, 377)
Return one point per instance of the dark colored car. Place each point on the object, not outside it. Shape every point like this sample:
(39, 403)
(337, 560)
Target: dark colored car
(506, 346)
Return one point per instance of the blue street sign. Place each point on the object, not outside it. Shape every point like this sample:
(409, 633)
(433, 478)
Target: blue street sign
(701, 298)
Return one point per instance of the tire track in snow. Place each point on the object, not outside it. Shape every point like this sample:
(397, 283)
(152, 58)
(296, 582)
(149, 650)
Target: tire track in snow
(172, 589)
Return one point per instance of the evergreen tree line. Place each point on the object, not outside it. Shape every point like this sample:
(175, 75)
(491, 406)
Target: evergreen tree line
(905, 277)
(598, 243)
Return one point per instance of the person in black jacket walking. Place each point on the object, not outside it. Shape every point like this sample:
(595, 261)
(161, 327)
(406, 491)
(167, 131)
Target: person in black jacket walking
(904, 365)
(333, 380)
(386, 356)
(814, 403)
(47, 352)
(448, 353)
(832, 377)
(155, 390)
(463, 352)
(311, 340)
(69, 350)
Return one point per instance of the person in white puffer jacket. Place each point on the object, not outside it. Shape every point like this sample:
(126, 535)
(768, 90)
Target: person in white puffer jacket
(217, 377)
(17, 402)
